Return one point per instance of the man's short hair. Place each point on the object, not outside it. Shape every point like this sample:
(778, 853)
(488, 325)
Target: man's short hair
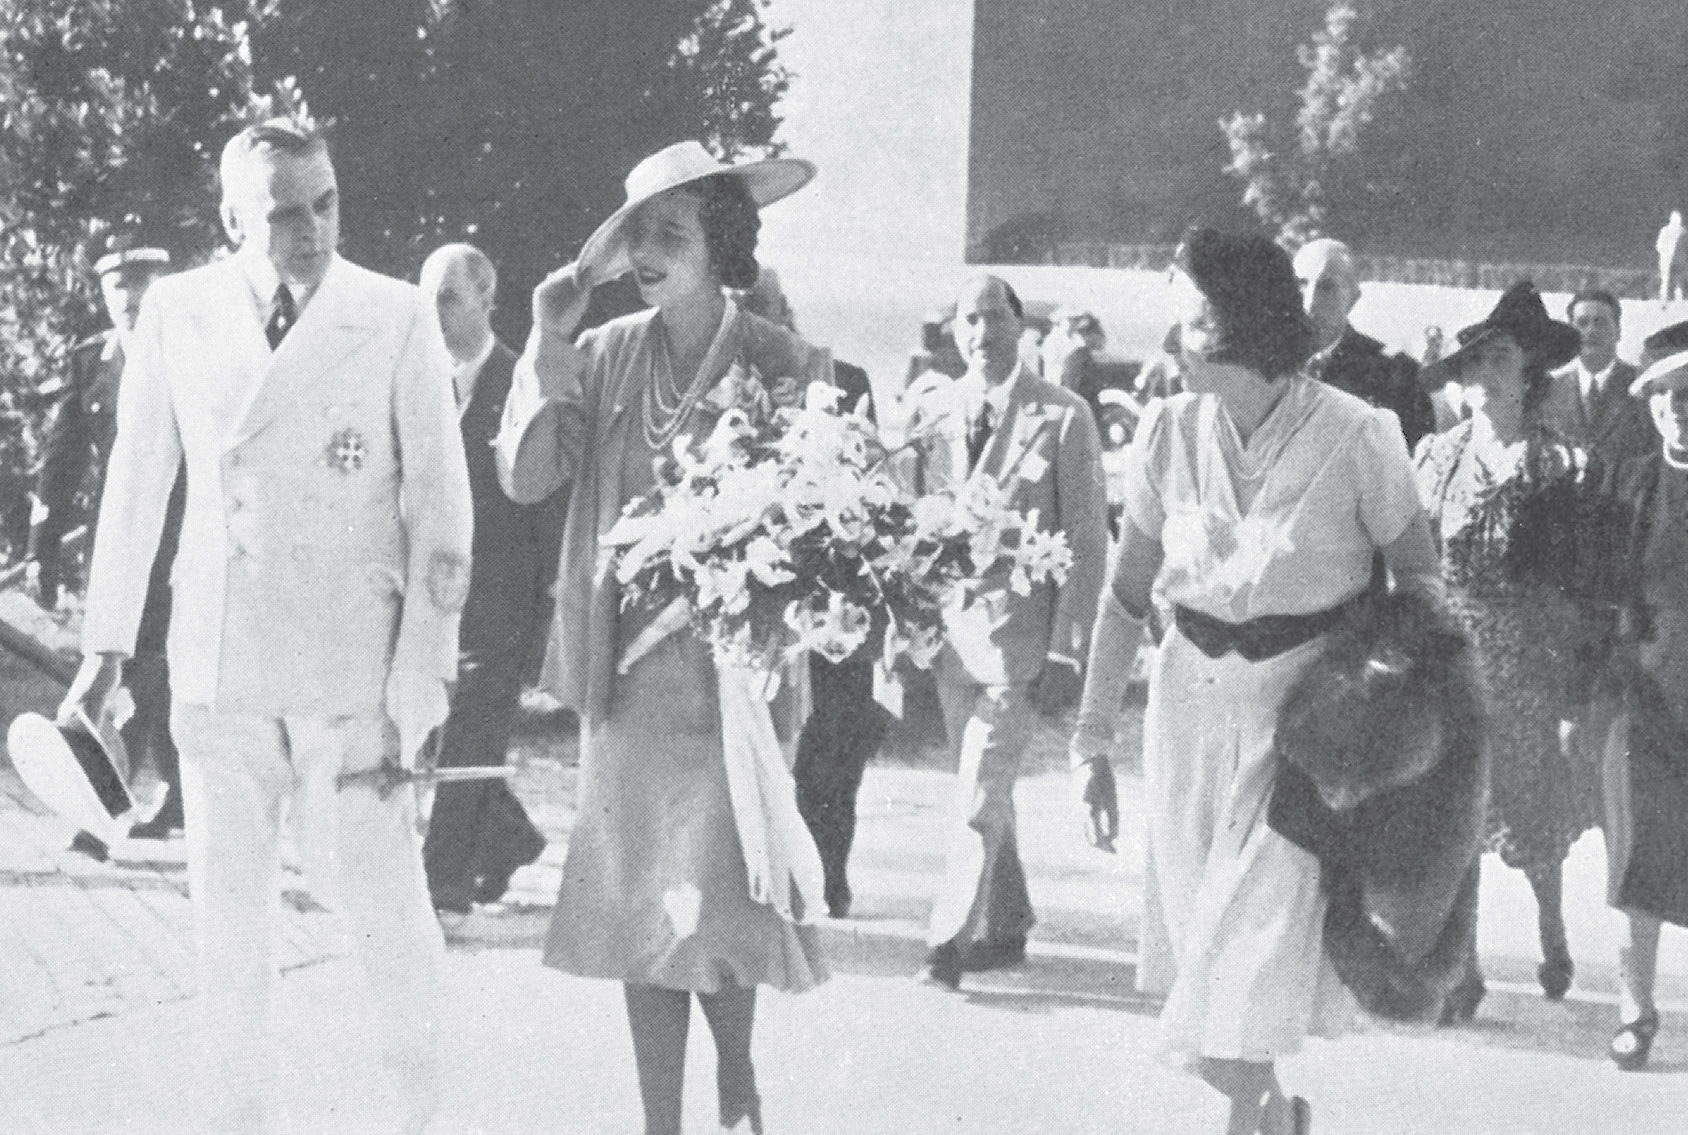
(1013, 298)
(274, 135)
(477, 265)
(1595, 295)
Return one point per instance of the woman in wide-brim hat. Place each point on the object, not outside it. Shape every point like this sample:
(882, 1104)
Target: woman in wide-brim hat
(1646, 795)
(1479, 481)
(1256, 501)
(654, 891)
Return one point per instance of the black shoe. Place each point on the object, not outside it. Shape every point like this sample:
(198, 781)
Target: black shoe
(166, 823)
(1555, 974)
(91, 846)
(943, 967)
(1001, 953)
(838, 899)
(451, 901)
(494, 883)
(1462, 1001)
(1632, 1043)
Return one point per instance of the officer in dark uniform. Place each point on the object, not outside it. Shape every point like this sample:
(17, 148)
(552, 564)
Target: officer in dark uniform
(84, 421)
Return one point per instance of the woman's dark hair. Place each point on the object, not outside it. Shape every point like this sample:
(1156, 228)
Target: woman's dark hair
(1538, 380)
(730, 224)
(1250, 284)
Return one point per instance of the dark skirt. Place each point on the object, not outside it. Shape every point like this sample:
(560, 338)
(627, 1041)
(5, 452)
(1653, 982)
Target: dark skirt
(1646, 784)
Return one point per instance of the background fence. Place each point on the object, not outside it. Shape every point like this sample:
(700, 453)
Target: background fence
(1624, 282)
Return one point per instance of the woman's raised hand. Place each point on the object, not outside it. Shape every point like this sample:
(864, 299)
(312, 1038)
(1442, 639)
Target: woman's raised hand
(560, 300)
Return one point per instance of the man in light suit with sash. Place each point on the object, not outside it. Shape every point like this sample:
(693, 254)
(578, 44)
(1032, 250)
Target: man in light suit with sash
(324, 558)
(1007, 656)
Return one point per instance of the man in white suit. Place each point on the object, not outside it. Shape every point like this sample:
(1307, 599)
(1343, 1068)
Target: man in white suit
(324, 559)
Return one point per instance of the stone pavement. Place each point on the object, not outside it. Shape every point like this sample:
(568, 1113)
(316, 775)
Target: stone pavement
(95, 1005)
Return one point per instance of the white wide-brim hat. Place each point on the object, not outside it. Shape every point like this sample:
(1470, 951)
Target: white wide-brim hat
(73, 772)
(605, 252)
(1664, 362)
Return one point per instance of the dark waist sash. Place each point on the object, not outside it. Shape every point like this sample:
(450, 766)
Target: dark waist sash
(1257, 639)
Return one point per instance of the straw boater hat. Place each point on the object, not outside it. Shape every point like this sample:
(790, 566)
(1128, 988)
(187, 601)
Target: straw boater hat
(1664, 362)
(768, 180)
(76, 770)
(1520, 314)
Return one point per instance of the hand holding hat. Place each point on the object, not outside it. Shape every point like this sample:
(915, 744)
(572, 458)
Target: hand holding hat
(89, 691)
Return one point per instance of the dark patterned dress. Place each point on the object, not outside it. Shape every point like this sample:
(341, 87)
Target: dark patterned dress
(1525, 634)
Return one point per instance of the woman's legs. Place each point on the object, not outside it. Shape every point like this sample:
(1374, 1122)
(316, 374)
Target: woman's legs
(660, 1019)
(1638, 964)
(731, 1014)
(1556, 969)
(1258, 1103)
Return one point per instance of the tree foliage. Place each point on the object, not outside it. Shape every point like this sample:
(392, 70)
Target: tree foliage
(110, 110)
(1299, 181)
(511, 123)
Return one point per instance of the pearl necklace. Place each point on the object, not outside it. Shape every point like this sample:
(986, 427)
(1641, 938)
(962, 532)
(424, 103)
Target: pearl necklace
(664, 407)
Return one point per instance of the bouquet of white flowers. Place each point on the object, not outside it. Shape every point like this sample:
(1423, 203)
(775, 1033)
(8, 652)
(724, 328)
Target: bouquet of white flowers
(777, 528)
(783, 531)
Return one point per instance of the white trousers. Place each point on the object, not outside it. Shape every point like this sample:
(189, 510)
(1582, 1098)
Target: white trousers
(363, 860)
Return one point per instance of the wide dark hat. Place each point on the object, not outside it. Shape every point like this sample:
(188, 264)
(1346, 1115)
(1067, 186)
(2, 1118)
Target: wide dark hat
(75, 769)
(1521, 314)
(1250, 281)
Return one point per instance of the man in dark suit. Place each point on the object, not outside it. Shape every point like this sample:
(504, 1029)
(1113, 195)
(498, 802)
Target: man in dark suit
(1348, 360)
(1588, 405)
(478, 833)
(1007, 656)
(846, 725)
(78, 442)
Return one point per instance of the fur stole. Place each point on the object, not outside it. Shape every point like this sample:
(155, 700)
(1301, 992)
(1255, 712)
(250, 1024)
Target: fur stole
(1382, 775)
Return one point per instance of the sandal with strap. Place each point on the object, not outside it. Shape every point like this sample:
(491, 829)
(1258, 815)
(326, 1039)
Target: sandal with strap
(1631, 1044)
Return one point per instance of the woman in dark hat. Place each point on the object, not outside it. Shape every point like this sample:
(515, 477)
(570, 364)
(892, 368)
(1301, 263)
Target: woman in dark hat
(656, 886)
(1257, 502)
(1478, 481)
(1646, 791)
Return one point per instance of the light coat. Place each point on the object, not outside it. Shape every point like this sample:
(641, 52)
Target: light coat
(1047, 447)
(327, 531)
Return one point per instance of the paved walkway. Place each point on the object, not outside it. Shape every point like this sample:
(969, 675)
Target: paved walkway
(95, 988)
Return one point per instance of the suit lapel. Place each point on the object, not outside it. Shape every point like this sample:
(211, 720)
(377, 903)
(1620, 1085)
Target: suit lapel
(1023, 419)
(331, 327)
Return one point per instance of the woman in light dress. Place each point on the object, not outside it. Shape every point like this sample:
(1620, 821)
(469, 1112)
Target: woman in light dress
(654, 891)
(1259, 500)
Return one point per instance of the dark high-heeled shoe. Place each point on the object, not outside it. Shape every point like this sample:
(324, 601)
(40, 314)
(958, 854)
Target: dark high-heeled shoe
(1461, 1003)
(1300, 1116)
(1555, 974)
(1631, 1044)
(740, 1102)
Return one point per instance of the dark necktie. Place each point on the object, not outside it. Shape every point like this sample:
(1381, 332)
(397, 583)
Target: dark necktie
(282, 317)
(978, 436)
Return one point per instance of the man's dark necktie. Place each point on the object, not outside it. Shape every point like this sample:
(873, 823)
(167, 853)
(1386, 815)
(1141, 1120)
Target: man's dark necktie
(978, 436)
(282, 317)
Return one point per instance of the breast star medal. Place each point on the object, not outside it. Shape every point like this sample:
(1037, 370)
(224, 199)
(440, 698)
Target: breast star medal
(346, 450)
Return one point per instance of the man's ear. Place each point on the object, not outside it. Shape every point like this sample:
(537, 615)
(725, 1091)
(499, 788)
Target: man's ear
(231, 225)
